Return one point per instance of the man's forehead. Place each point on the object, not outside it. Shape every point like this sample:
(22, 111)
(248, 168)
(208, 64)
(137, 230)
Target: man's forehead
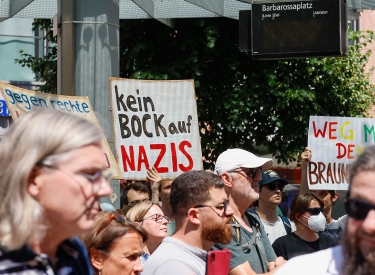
(136, 194)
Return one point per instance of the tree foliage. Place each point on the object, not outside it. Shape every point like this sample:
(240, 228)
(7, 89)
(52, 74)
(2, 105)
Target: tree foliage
(45, 68)
(242, 102)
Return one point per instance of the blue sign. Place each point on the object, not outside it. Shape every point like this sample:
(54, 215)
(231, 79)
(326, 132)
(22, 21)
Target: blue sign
(4, 111)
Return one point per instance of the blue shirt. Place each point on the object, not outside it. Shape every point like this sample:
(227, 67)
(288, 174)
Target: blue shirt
(72, 258)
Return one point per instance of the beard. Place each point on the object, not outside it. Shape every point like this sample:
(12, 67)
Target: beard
(217, 233)
(355, 262)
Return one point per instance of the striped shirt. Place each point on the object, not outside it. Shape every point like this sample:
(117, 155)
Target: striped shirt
(71, 255)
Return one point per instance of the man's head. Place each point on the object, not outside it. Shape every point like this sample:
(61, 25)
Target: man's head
(199, 202)
(50, 160)
(134, 192)
(240, 171)
(359, 235)
(165, 191)
(329, 197)
(270, 188)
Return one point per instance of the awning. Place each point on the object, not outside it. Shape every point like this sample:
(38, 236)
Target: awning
(143, 9)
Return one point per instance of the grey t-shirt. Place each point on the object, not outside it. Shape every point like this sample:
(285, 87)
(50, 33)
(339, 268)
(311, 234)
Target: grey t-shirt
(176, 257)
(241, 255)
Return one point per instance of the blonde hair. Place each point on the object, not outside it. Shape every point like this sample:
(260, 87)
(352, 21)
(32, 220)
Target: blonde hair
(42, 137)
(138, 211)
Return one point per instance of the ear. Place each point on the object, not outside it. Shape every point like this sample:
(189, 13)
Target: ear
(34, 182)
(193, 216)
(227, 179)
(96, 259)
(334, 197)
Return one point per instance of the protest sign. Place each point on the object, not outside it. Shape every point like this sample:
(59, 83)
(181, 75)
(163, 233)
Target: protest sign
(155, 124)
(335, 143)
(21, 101)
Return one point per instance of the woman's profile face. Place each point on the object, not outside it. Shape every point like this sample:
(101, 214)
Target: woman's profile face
(155, 224)
(123, 258)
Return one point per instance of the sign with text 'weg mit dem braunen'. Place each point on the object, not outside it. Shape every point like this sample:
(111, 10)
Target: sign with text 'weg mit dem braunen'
(21, 101)
(335, 143)
(155, 124)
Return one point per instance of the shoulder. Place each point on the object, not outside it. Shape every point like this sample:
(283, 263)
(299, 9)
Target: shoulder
(329, 259)
(169, 267)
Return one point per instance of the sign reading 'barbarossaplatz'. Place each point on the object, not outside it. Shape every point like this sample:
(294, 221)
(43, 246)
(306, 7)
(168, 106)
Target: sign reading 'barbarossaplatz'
(155, 124)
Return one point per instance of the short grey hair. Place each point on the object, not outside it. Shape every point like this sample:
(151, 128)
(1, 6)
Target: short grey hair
(42, 137)
(365, 162)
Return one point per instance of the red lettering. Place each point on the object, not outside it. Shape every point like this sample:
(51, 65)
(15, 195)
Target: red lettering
(322, 133)
(162, 149)
(126, 160)
(186, 154)
(174, 157)
(142, 158)
(339, 155)
(350, 150)
(331, 130)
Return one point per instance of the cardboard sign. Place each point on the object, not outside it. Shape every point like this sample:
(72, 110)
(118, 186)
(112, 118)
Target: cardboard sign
(155, 124)
(4, 111)
(335, 143)
(21, 101)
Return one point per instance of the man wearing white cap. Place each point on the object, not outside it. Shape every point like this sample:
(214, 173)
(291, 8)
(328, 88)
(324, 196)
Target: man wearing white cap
(252, 252)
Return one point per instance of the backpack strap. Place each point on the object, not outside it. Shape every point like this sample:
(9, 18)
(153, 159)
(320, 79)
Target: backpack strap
(287, 225)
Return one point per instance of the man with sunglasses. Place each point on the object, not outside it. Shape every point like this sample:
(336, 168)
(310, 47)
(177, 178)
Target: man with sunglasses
(356, 255)
(202, 214)
(252, 252)
(270, 194)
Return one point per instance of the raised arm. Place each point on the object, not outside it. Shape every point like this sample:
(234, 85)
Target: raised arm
(305, 157)
(155, 178)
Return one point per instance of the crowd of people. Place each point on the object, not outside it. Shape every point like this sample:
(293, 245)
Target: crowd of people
(51, 221)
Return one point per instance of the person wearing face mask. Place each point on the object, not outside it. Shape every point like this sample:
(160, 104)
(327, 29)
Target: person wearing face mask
(306, 211)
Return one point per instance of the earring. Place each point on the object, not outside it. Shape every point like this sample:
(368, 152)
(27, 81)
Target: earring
(100, 272)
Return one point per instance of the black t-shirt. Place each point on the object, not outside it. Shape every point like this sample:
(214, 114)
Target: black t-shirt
(291, 245)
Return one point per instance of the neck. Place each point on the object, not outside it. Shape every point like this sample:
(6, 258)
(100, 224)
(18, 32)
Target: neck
(151, 246)
(267, 212)
(167, 210)
(239, 207)
(191, 234)
(306, 233)
(328, 214)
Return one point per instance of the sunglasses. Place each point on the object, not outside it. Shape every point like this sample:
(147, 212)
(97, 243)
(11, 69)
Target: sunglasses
(248, 172)
(315, 211)
(113, 216)
(357, 208)
(273, 186)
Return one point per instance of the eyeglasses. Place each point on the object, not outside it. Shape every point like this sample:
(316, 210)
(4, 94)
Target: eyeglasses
(137, 201)
(357, 208)
(96, 179)
(113, 216)
(157, 218)
(219, 207)
(315, 211)
(248, 172)
(273, 186)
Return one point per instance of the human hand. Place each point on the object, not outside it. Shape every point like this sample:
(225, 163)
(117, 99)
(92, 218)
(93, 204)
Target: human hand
(154, 176)
(306, 156)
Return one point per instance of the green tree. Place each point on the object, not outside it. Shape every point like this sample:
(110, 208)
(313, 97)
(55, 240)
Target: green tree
(242, 102)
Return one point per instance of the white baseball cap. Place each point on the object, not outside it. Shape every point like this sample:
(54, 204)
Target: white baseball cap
(236, 158)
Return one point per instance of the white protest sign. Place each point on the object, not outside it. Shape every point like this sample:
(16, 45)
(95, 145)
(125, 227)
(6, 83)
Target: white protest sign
(155, 124)
(335, 143)
(21, 101)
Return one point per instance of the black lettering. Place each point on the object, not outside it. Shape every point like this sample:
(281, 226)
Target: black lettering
(189, 124)
(123, 126)
(172, 128)
(131, 101)
(135, 119)
(182, 127)
(148, 100)
(144, 119)
(119, 100)
(158, 125)
(139, 102)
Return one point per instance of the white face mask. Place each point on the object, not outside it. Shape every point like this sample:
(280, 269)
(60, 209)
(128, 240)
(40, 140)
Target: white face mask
(316, 222)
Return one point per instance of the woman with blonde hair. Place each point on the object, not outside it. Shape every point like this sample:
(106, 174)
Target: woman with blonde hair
(150, 216)
(115, 245)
